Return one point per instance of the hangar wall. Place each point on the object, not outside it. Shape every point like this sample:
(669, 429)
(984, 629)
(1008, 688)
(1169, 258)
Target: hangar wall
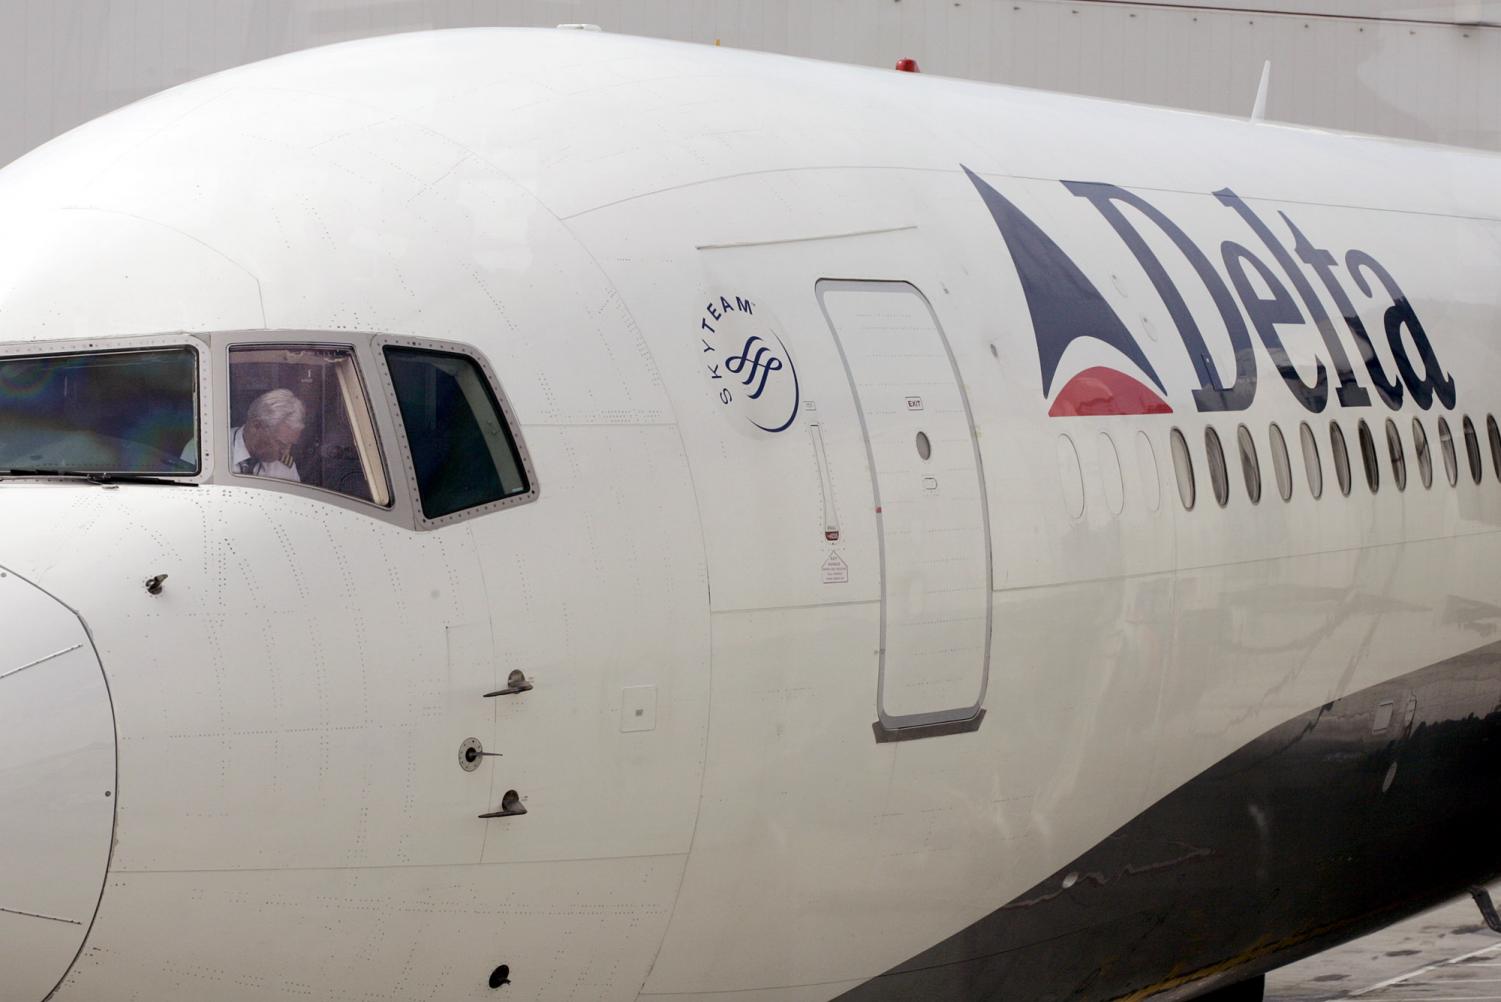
(1423, 69)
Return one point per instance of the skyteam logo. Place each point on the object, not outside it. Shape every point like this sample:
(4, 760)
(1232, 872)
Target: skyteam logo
(1066, 306)
(748, 364)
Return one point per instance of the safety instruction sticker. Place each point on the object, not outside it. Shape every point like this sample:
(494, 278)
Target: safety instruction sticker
(835, 570)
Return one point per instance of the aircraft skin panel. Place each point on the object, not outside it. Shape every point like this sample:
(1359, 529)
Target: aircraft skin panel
(57, 743)
(619, 544)
(225, 296)
(287, 710)
(632, 234)
(775, 554)
(788, 696)
(368, 924)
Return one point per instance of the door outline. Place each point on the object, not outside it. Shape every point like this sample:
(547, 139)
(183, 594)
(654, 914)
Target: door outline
(928, 723)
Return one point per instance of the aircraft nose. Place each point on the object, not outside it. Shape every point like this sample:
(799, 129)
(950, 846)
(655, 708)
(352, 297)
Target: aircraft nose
(57, 777)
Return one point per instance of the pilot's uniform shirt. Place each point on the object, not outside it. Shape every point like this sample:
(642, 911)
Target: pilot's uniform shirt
(241, 461)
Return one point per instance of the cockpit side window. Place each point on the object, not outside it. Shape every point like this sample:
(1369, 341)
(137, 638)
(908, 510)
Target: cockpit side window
(462, 451)
(132, 411)
(300, 413)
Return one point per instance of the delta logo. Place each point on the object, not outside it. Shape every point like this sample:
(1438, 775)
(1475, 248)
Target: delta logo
(1066, 306)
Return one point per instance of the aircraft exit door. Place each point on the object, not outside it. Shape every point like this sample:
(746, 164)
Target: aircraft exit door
(933, 529)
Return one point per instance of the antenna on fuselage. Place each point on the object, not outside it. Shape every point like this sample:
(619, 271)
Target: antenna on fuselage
(1258, 110)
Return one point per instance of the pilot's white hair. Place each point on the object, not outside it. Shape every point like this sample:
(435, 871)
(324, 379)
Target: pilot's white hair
(273, 407)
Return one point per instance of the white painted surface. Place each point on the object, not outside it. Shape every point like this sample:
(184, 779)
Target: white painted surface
(403, 932)
(57, 784)
(290, 708)
(1416, 68)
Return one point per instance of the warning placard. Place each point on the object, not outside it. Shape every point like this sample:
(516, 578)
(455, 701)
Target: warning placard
(835, 570)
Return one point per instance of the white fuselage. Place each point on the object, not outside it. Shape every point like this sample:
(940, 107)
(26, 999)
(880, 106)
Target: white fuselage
(731, 607)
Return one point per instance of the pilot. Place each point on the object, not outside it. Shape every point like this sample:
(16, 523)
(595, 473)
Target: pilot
(262, 446)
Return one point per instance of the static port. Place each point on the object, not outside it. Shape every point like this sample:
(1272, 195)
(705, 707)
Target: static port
(470, 753)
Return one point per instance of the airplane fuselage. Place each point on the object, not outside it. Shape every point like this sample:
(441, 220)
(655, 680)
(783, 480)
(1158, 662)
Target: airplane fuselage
(966, 543)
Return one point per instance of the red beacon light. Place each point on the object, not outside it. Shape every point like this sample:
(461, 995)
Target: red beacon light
(907, 66)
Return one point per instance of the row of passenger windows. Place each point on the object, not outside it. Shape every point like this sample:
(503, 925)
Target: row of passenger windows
(1339, 449)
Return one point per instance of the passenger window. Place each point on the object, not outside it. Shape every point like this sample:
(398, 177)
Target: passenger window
(1219, 476)
(299, 412)
(462, 451)
(1398, 457)
(1472, 449)
(1183, 467)
(1282, 466)
(1494, 434)
(1446, 446)
(1420, 449)
(1368, 457)
(1312, 465)
(1250, 465)
(1341, 454)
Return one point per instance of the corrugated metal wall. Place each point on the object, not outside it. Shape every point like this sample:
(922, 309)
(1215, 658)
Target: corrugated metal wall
(1425, 69)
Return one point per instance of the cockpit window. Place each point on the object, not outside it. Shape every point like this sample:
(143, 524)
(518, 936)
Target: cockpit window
(463, 453)
(299, 412)
(129, 412)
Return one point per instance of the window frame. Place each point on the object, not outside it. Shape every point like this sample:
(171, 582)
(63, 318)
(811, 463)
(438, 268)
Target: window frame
(1446, 446)
(1339, 452)
(1250, 463)
(1219, 470)
(1472, 450)
(1370, 458)
(1313, 463)
(399, 513)
(1183, 469)
(378, 346)
(141, 342)
(314, 341)
(212, 361)
(1424, 453)
(1282, 463)
(1493, 436)
(1397, 454)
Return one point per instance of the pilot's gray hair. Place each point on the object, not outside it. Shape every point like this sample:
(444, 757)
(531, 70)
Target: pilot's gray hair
(273, 407)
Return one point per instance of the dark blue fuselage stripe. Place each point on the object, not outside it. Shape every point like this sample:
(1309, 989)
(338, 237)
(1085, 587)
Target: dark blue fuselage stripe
(1318, 831)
